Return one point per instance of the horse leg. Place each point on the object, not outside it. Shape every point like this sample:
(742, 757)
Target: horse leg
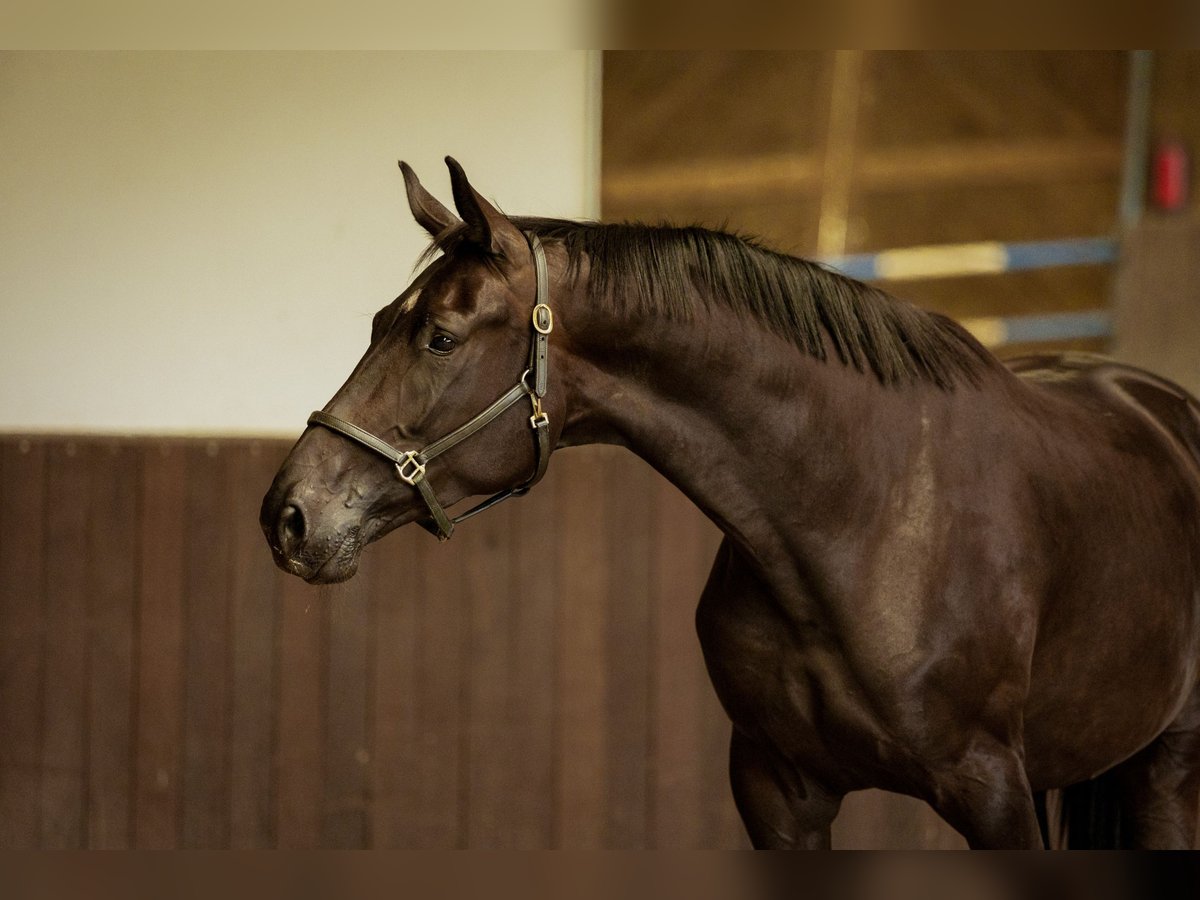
(781, 809)
(1160, 788)
(986, 797)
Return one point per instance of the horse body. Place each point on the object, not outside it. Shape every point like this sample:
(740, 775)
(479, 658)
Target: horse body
(1006, 574)
(1120, 616)
(940, 576)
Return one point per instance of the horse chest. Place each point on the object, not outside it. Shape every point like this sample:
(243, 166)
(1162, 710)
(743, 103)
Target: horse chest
(786, 683)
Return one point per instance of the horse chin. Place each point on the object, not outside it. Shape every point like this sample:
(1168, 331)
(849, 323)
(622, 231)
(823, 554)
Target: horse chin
(338, 568)
(335, 571)
(333, 568)
(342, 565)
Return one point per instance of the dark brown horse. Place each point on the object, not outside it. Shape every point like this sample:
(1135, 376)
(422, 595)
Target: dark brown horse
(941, 576)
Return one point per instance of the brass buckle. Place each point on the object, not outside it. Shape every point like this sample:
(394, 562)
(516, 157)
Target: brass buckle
(539, 419)
(543, 314)
(418, 468)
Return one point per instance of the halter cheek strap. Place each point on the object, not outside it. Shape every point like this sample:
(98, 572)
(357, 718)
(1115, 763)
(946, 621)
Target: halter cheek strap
(410, 464)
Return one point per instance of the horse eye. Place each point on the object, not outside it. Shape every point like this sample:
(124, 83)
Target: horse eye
(441, 343)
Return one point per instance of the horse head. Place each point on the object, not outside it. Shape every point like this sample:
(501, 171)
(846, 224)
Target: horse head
(422, 422)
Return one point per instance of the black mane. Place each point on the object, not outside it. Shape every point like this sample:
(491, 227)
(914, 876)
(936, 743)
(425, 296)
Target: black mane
(635, 270)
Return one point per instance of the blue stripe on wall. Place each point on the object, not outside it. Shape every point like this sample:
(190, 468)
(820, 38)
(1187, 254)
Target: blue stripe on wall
(1017, 257)
(1048, 254)
(1057, 327)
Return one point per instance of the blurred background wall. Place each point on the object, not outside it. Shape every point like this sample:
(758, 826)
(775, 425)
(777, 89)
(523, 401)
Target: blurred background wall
(191, 248)
(857, 152)
(169, 215)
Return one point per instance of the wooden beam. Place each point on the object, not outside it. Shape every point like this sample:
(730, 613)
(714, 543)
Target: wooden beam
(841, 141)
(750, 176)
(984, 162)
(974, 162)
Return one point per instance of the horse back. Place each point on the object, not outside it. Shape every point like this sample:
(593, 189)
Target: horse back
(1120, 623)
(1160, 403)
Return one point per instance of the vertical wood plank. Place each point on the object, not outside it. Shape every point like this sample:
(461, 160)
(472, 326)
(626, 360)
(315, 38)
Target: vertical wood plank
(627, 651)
(298, 753)
(344, 822)
(160, 637)
(65, 686)
(207, 661)
(878, 820)
(682, 542)
(583, 578)
(112, 578)
(442, 673)
(491, 750)
(1156, 294)
(22, 589)
(533, 546)
(254, 598)
(842, 139)
(397, 753)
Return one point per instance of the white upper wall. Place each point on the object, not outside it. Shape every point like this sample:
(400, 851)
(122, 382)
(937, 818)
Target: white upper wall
(196, 242)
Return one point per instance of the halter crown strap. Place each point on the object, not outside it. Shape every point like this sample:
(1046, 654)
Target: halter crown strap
(410, 464)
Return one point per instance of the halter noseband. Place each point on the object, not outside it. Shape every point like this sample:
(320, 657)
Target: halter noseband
(410, 464)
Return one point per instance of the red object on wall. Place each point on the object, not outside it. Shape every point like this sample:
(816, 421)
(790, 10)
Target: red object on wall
(1169, 187)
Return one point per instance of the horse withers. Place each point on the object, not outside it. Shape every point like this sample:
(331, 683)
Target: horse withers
(941, 575)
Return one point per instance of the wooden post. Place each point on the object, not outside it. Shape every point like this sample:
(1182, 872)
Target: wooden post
(1156, 309)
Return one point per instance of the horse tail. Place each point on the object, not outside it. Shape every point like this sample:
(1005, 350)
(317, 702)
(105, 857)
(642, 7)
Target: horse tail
(1086, 816)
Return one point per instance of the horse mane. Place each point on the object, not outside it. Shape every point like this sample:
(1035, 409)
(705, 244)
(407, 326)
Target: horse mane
(636, 270)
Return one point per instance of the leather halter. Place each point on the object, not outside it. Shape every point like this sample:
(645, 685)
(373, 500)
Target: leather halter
(410, 464)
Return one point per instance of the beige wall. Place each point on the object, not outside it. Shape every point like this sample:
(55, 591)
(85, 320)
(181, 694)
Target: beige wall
(196, 242)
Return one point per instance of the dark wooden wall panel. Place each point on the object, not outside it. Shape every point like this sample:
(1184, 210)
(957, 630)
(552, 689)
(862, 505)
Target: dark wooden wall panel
(491, 747)
(534, 635)
(158, 762)
(400, 762)
(443, 612)
(628, 632)
(344, 822)
(254, 598)
(581, 772)
(207, 580)
(536, 682)
(22, 580)
(65, 687)
(300, 712)
(112, 578)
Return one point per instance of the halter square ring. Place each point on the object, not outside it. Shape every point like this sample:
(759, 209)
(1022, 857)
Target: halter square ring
(418, 468)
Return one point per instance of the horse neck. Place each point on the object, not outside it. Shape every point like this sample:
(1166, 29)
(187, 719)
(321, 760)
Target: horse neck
(757, 433)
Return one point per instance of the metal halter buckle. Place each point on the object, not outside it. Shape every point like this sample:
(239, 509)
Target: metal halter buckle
(539, 419)
(543, 319)
(418, 468)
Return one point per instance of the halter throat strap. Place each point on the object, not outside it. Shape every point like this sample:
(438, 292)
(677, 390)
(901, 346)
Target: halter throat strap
(410, 464)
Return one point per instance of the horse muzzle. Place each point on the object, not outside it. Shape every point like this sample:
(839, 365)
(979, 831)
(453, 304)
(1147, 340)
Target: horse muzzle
(306, 540)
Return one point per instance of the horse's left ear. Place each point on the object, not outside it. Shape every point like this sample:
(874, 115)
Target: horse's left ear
(487, 227)
(428, 212)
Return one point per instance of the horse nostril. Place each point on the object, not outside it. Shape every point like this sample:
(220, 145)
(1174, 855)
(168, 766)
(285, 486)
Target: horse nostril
(289, 531)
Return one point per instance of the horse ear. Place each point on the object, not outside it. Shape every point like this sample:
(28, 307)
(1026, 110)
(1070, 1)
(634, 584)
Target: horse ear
(487, 226)
(429, 213)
